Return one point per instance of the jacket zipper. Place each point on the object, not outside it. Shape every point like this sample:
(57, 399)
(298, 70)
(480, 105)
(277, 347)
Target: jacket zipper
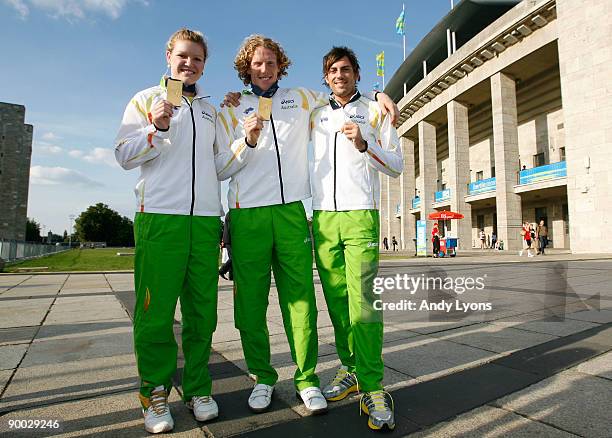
(280, 172)
(193, 157)
(335, 139)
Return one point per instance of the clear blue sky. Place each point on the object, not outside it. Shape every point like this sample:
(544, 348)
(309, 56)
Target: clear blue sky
(74, 64)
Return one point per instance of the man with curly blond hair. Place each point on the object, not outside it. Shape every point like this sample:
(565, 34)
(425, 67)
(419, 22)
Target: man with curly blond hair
(269, 230)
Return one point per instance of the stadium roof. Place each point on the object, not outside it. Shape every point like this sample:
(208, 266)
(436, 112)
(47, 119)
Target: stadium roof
(466, 19)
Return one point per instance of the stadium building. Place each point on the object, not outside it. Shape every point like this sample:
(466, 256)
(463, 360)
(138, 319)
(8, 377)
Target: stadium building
(506, 116)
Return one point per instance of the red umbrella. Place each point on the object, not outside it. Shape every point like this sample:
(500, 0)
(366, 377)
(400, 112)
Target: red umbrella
(444, 214)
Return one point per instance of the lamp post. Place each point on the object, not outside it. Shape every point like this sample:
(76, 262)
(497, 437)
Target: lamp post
(71, 217)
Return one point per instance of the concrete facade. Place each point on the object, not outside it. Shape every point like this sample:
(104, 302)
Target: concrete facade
(505, 145)
(15, 156)
(585, 62)
(427, 170)
(525, 108)
(459, 167)
(408, 187)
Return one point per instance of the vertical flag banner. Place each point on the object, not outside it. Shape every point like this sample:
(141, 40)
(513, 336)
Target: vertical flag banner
(377, 86)
(400, 29)
(380, 64)
(399, 24)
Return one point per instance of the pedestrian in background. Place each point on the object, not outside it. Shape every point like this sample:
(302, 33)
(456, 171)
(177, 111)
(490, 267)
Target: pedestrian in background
(542, 235)
(526, 235)
(435, 239)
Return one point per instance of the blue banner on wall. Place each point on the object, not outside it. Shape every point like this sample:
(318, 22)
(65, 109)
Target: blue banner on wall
(416, 202)
(442, 195)
(421, 229)
(482, 186)
(543, 173)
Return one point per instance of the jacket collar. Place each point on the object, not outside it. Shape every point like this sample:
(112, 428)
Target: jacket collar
(267, 93)
(335, 105)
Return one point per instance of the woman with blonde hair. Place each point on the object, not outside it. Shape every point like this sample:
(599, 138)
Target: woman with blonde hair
(176, 228)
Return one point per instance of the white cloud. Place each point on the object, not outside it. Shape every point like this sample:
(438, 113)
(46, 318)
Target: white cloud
(50, 136)
(19, 5)
(60, 176)
(73, 9)
(75, 153)
(47, 148)
(101, 156)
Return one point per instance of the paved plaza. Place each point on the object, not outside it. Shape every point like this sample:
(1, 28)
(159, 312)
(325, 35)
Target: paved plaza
(536, 362)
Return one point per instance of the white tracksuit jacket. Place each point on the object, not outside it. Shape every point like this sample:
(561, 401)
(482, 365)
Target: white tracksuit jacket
(277, 170)
(344, 178)
(178, 167)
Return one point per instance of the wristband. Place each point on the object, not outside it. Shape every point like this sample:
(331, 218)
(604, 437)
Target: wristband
(161, 130)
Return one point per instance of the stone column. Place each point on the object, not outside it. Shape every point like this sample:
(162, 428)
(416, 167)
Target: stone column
(459, 170)
(428, 172)
(408, 184)
(394, 200)
(505, 145)
(385, 221)
(585, 63)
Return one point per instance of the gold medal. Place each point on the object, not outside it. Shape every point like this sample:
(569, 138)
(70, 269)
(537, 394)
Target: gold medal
(174, 91)
(265, 108)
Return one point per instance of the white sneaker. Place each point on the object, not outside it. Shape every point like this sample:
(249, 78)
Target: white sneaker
(157, 418)
(313, 400)
(261, 397)
(204, 408)
(530, 255)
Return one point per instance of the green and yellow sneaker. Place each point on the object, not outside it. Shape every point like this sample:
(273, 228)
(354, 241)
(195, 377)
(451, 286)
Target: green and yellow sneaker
(379, 406)
(343, 384)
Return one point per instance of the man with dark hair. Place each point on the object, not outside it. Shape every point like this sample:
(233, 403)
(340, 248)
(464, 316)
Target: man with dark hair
(352, 143)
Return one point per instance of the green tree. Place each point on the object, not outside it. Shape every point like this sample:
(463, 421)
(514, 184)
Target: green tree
(99, 223)
(32, 231)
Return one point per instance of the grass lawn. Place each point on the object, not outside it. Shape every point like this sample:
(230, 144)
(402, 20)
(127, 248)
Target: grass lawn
(100, 259)
(396, 257)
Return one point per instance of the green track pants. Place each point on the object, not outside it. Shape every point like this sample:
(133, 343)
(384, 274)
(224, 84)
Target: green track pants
(346, 253)
(274, 237)
(176, 256)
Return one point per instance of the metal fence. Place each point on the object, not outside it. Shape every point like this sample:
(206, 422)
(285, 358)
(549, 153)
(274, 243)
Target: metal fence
(11, 250)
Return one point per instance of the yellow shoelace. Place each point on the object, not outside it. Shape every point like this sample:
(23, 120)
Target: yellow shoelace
(379, 402)
(340, 375)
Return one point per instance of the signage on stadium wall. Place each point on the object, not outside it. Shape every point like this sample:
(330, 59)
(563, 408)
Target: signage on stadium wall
(421, 238)
(442, 195)
(416, 202)
(482, 186)
(543, 173)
